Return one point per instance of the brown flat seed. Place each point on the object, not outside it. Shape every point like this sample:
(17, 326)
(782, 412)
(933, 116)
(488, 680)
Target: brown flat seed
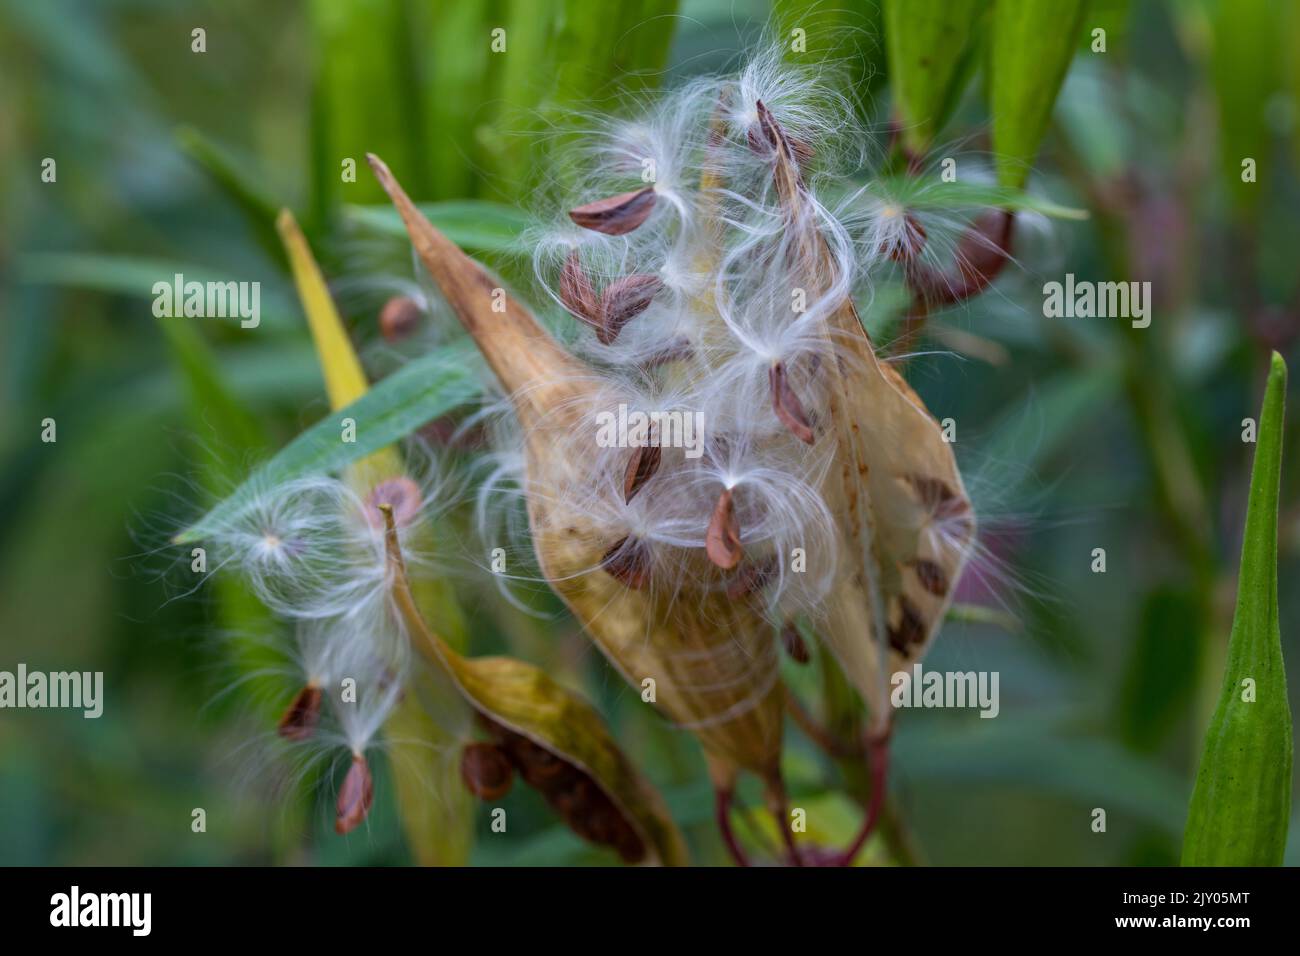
(399, 318)
(722, 540)
(931, 576)
(355, 796)
(624, 299)
(910, 629)
(486, 770)
(577, 293)
(617, 215)
(787, 406)
(794, 644)
(628, 561)
(640, 469)
(302, 715)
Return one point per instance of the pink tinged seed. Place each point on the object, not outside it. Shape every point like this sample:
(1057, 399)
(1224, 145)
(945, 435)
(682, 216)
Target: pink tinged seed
(787, 406)
(641, 467)
(624, 299)
(401, 494)
(617, 215)
(399, 318)
(722, 540)
(302, 715)
(355, 796)
(576, 292)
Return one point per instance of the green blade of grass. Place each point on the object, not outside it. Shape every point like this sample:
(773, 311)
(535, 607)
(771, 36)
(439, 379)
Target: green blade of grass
(1239, 809)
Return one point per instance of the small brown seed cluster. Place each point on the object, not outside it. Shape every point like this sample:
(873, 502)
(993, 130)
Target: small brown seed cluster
(488, 771)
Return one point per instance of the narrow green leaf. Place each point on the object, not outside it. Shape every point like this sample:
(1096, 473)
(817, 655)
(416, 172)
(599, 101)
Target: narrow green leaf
(394, 408)
(1247, 72)
(364, 96)
(1240, 807)
(927, 43)
(476, 225)
(238, 185)
(1032, 45)
(845, 35)
(912, 192)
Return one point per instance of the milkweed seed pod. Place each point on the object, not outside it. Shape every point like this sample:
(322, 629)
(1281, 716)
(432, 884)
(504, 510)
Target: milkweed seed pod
(720, 292)
(555, 740)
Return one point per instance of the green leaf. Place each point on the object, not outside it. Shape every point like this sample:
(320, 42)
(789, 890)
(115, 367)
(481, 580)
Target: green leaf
(1032, 45)
(473, 224)
(238, 185)
(927, 43)
(1239, 810)
(848, 35)
(912, 192)
(394, 408)
(1247, 71)
(365, 97)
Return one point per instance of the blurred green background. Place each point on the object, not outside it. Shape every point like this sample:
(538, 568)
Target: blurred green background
(1076, 434)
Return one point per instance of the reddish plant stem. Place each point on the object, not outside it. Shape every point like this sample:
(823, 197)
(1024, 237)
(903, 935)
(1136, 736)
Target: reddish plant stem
(722, 807)
(878, 756)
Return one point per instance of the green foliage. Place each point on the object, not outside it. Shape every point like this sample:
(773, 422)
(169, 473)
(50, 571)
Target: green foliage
(929, 44)
(1032, 45)
(1242, 802)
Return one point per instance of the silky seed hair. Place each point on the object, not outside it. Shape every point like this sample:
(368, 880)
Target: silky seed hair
(703, 305)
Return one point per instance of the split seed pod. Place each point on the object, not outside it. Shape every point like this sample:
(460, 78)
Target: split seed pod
(895, 491)
(560, 737)
(711, 657)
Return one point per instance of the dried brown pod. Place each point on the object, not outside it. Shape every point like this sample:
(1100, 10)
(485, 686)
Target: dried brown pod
(355, 796)
(617, 215)
(486, 770)
(399, 318)
(624, 299)
(794, 644)
(629, 562)
(722, 540)
(730, 700)
(641, 467)
(577, 293)
(302, 715)
(787, 406)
